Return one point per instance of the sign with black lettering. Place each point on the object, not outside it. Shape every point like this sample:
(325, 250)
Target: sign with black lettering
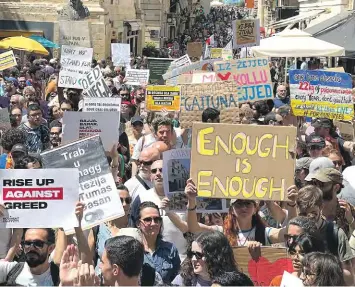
(102, 105)
(78, 125)
(39, 198)
(94, 84)
(97, 188)
(136, 77)
(74, 33)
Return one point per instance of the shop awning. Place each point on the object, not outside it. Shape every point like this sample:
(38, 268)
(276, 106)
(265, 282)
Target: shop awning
(135, 25)
(338, 30)
(295, 19)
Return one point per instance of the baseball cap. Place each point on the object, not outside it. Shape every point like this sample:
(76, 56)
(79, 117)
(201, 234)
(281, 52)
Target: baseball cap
(132, 232)
(322, 123)
(317, 164)
(303, 163)
(19, 148)
(314, 140)
(328, 175)
(12, 79)
(137, 119)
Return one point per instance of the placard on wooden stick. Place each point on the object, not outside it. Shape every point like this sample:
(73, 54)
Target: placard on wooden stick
(195, 98)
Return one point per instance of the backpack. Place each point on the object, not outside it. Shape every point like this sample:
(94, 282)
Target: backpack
(17, 269)
(332, 237)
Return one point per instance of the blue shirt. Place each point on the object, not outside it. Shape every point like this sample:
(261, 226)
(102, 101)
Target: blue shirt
(166, 260)
(281, 102)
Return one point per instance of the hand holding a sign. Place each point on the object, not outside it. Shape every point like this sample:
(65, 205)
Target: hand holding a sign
(191, 193)
(165, 204)
(346, 207)
(254, 248)
(79, 211)
(292, 194)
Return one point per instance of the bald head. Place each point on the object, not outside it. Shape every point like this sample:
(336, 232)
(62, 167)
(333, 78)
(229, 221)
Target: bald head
(281, 91)
(149, 154)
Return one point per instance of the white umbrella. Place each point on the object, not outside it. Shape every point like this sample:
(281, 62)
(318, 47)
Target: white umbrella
(215, 3)
(296, 43)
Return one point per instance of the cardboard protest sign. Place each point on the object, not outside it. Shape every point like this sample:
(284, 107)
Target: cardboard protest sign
(97, 188)
(227, 54)
(273, 262)
(158, 67)
(102, 105)
(176, 171)
(195, 98)
(94, 84)
(39, 198)
(246, 159)
(75, 62)
(321, 94)
(216, 53)
(74, 33)
(346, 129)
(163, 97)
(337, 69)
(121, 54)
(77, 125)
(252, 76)
(7, 60)
(194, 49)
(4, 120)
(289, 280)
(246, 33)
(136, 77)
(182, 61)
(197, 78)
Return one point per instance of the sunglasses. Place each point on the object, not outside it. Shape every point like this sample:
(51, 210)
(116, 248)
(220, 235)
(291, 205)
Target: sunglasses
(155, 170)
(127, 200)
(197, 254)
(315, 147)
(35, 243)
(149, 220)
(146, 163)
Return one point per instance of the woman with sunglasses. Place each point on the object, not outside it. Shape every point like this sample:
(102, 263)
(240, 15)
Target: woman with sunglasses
(210, 255)
(164, 255)
(99, 234)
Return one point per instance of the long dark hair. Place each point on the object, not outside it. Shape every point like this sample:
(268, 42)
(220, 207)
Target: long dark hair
(150, 204)
(326, 268)
(308, 243)
(218, 255)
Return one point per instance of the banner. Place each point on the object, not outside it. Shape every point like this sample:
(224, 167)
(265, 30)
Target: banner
(162, 97)
(121, 54)
(74, 33)
(321, 94)
(194, 49)
(75, 62)
(272, 262)
(94, 84)
(102, 105)
(246, 33)
(216, 53)
(97, 188)
(157, 68)
(136, 77)
(195, 98)
(7, 60)
(252, 76)
(77, 125)
(182, 61)
(246, 161)
(176, 171)
(39, 198)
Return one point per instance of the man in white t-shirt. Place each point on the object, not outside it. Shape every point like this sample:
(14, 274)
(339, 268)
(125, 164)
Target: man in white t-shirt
(36, 271)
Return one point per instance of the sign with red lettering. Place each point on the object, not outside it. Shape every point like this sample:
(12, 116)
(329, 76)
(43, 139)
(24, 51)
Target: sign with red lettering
(39, 198)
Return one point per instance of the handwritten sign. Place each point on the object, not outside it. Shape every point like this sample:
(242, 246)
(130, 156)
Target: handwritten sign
(102, 105)
(163, 97)
(246, 161)
(120, 54)
(137, 77)
(182, 61)
(94, 84)
(75, 62)
(216, 53)
(194, 49)
(252, 77)
(7, 60)
(74, 33)
(227, 54)
(197, 78)
(195, 98)
(322, 94)
(246, 33)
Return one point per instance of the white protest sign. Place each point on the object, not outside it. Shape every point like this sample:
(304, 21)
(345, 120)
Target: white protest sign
(39, 198)
(77, 125)
(74, 33)
(94, 84)
(137, 77)
(120, 54)
(96, 186)
(182, 61)
(102, 105)
(75, 62)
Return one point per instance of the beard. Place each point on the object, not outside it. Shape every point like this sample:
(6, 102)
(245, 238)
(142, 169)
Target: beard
(35, 259)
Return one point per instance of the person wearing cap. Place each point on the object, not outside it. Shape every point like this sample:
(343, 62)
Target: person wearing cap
(315, 145)
(325, 128)
(302, 170)
(137, 124)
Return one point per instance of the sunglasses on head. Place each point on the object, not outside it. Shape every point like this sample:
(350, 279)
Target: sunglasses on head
(35, 243)
(146, 163)
(157, 220)
(290, 239)
(128, 200)
(155, 170)
(197, 254)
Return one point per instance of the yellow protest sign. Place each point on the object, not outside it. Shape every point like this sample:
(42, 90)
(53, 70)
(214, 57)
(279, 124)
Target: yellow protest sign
(246, 33)
(216, 53)
(242, 161)
(163, 97)
(7, 60)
